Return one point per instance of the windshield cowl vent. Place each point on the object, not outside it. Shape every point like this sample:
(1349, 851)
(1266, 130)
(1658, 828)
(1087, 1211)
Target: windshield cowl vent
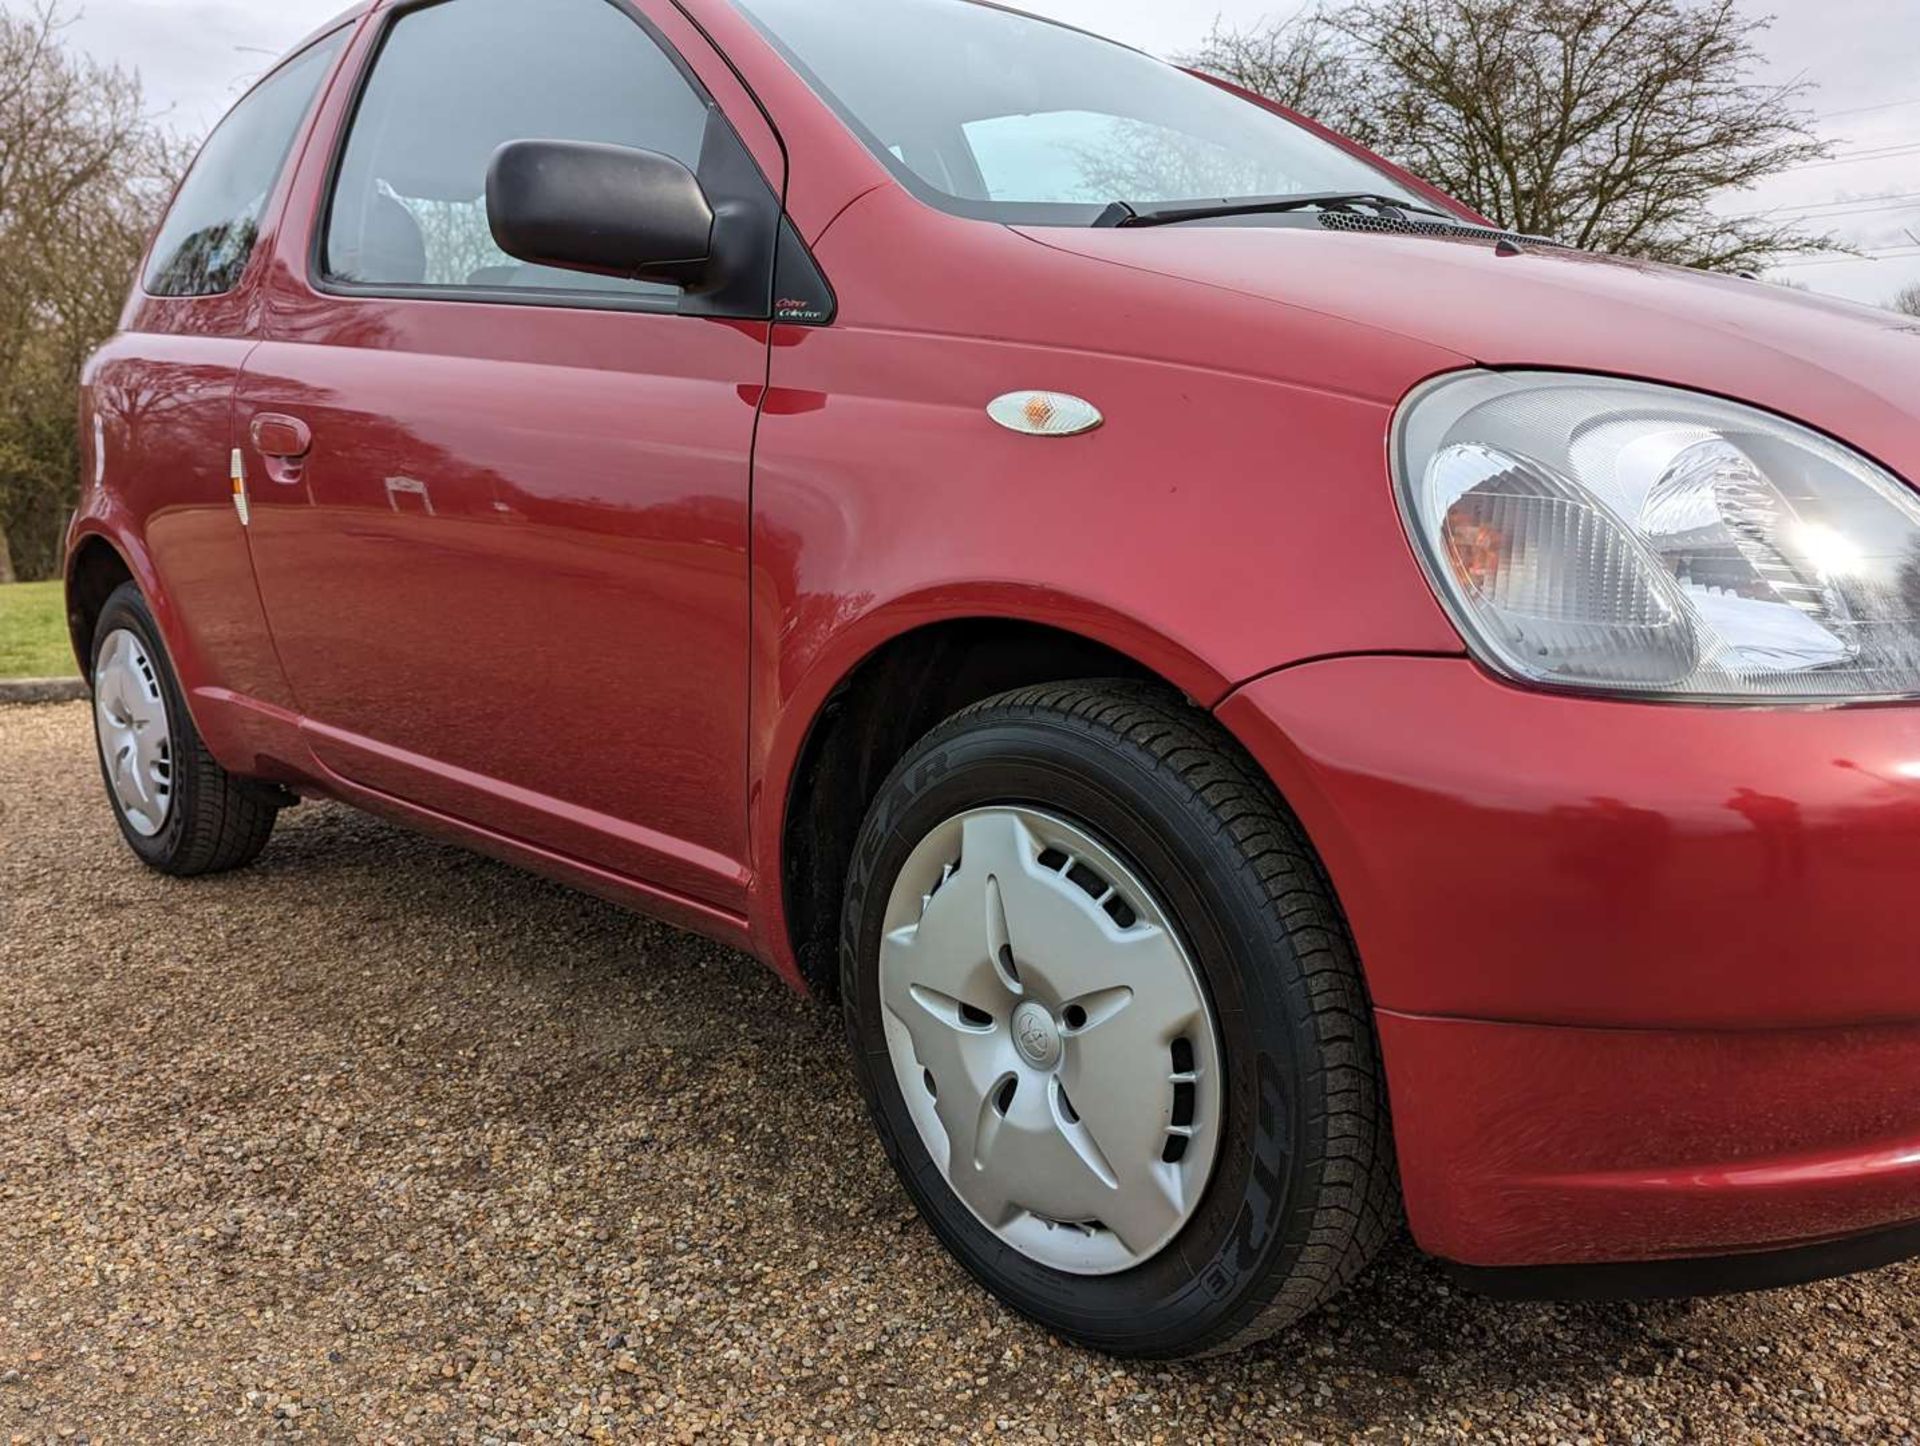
(1409, 226)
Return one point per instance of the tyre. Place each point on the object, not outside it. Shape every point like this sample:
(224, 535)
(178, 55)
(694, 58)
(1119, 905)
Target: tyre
(1110, 1026)
(179, 810)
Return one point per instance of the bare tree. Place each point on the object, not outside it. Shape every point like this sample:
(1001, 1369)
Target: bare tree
(1610, 124)
(1301, 62)
(82, 171)
(1908, 301)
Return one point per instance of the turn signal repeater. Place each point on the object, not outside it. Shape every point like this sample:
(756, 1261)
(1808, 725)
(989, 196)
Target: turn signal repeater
(1044, 414)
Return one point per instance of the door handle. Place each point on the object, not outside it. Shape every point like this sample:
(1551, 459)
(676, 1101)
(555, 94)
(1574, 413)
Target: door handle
(284, 442)
(285, 439)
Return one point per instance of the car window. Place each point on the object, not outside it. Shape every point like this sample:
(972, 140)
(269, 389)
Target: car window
(1007, 117)
(455, 82)
(209, 234)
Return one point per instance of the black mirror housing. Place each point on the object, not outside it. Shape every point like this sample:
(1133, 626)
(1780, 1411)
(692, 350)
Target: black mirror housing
(609, 210)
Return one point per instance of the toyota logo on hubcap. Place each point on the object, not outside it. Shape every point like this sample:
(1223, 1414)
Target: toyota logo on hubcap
(1036, 1036)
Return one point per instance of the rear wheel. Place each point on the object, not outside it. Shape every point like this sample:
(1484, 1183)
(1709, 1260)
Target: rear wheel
(1110, 1025)
(178, 809)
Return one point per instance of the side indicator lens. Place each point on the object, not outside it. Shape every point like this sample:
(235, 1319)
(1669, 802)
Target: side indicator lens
(1045, 414)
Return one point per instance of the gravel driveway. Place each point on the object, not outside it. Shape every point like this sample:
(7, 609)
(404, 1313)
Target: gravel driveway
(382, 1141)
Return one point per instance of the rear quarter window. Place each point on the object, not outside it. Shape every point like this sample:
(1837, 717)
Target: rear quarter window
(209, 234)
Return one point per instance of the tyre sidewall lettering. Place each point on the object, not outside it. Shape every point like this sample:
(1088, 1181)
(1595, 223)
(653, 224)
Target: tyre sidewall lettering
(1259, 1217)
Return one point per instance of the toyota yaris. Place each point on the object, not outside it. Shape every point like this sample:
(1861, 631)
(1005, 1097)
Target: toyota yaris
(1271, 704)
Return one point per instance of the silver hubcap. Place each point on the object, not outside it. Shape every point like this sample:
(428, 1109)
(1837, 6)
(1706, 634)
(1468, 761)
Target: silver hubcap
(131, 715)
(1051, 1039)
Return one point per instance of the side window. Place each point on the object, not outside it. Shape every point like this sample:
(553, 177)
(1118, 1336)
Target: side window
(452, 84)
(205, 243)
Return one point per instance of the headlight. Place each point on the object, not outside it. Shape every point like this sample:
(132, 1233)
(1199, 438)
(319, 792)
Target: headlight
(1624, 538)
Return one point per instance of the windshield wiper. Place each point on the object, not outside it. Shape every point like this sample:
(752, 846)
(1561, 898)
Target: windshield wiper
(1121, 214)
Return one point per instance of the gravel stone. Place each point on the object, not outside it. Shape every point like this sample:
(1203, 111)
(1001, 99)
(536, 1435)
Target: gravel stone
(380, 1141)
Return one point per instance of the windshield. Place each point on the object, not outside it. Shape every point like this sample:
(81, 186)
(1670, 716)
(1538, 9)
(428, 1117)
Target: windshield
(997, 115)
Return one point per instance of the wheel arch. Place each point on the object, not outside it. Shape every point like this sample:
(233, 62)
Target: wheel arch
(96, 568)
(101, 555)
(869, 707)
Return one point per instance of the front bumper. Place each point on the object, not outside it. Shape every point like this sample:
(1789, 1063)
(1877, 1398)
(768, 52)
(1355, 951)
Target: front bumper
(1646, 976)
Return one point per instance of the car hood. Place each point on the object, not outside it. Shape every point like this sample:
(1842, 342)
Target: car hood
(1847, 370)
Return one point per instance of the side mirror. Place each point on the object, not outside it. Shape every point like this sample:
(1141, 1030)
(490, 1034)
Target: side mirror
(610, 210)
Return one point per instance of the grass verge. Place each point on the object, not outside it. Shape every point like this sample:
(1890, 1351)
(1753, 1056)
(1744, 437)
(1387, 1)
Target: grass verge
(33, 632)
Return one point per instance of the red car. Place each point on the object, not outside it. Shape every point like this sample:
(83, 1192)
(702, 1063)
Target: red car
(1269, 702)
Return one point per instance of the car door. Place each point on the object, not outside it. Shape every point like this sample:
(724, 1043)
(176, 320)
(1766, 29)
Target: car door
(157, 399)
(501, 511)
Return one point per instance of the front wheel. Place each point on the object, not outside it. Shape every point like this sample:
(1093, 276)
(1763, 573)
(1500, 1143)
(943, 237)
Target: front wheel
(1110, 1025)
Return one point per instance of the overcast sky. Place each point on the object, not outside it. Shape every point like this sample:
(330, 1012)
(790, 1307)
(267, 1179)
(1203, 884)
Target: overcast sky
(196, 55)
